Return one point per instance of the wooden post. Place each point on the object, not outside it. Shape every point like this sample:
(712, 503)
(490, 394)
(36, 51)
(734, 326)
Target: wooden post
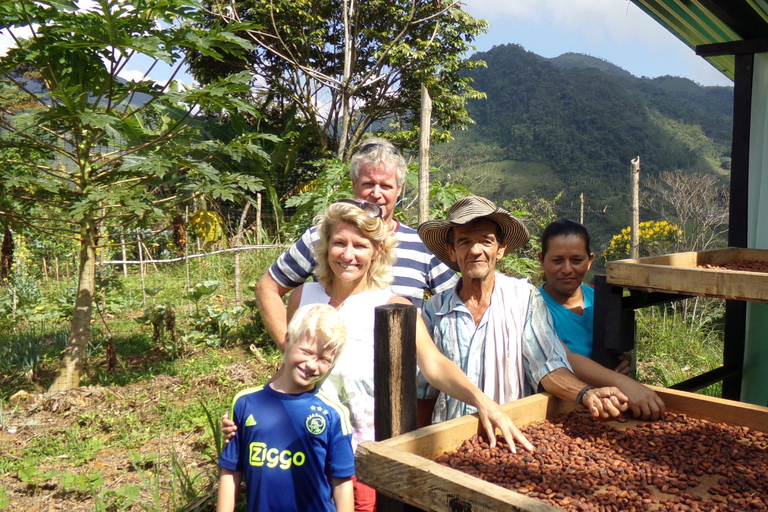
(614, 327)
(581, 209)
(426, 128)
(125, 255)
(258, 218)
(394, 380)
(186, 253)
(238, 241)
(141, 269)
(634, 245)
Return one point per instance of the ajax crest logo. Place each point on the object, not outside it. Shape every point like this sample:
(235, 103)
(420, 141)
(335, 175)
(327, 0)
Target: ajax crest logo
(316, 424)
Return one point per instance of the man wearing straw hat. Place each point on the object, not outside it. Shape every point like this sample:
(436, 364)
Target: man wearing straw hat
(497, 328)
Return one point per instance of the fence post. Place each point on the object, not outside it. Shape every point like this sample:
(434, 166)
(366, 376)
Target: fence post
(125, 255)
(394, 380)
(141, 269)
(186, 252)
(634, 244)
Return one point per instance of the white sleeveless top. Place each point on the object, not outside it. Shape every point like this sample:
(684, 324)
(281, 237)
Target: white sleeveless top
(351, 380)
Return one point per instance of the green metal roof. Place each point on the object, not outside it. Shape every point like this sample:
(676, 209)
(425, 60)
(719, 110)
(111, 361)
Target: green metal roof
(705, 22)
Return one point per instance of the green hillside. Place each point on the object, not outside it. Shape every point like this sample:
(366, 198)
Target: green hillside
(574, 123)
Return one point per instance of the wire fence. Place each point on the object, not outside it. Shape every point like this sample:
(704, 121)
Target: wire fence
(144, 310)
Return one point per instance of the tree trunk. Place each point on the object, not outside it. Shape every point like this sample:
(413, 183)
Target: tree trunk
(7, 253)
(73, 361)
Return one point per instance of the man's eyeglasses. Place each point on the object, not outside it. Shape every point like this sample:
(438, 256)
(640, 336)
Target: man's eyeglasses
(367, 148)
(372, 209)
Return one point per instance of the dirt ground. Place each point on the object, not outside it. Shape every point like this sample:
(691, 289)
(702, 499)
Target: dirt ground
(40, 415)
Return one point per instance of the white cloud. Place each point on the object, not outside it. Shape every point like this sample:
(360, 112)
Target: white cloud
(598, 21)
(616, 30)
(7, 42)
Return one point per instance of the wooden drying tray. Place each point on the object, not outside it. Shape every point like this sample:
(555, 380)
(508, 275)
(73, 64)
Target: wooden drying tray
(402, 467)
(679, 273)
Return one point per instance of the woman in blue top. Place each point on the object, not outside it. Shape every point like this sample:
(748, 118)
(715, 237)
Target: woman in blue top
(566, 258)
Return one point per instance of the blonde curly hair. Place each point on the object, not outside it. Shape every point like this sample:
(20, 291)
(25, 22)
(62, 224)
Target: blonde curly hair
(374, 229)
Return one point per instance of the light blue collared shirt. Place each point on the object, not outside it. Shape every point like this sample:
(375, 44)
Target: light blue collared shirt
(453, 330)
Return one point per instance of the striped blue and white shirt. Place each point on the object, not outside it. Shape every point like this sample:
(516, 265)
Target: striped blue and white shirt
(415, 270)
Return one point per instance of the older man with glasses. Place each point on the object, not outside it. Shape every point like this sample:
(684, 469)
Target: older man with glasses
(377, 171)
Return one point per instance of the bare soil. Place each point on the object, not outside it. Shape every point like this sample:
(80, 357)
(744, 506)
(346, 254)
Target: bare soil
(40, 415)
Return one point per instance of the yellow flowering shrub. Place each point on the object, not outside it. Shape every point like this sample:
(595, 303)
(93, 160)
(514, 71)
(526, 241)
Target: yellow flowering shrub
(656, 237)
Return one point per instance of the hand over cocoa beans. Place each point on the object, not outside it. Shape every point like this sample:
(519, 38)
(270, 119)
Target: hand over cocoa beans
(680, 463)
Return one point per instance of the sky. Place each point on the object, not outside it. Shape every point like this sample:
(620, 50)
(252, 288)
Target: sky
(613, 30)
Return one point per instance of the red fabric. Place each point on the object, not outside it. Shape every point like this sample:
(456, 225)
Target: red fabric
(365, 497)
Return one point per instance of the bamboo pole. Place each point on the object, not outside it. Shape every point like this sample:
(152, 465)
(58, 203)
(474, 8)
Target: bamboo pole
(125, 255)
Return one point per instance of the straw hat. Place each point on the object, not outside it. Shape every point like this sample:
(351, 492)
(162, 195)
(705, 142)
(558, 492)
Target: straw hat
(434, 233)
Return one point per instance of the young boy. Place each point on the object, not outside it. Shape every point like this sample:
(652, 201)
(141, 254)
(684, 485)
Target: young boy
(293, 444)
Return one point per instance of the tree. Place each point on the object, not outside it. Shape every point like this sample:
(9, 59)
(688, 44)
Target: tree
(699, 203)
(116, 151)
(349, 65)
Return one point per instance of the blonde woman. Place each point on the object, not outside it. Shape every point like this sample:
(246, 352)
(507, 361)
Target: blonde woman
(355, 256)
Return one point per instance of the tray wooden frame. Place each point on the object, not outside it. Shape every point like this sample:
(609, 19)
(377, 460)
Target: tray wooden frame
(679, 273)
(402, 467)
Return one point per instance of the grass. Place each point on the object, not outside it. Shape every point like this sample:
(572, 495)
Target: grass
(676, 342)
(136, 397)
(512, 178)
(157, 415)
(72, 445)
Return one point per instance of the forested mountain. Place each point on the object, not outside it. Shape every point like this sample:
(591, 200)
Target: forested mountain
(573, 123)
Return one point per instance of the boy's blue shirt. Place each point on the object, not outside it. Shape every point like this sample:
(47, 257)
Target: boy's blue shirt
(288, 446)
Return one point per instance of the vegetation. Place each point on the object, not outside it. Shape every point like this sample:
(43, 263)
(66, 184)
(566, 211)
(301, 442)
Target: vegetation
(139, 433)
(573, 123)
(167, 347)
(355, 65)
(109, 154)
(674, 344)
(655, 238)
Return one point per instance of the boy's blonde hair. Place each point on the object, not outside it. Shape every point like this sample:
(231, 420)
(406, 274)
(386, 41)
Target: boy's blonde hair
(318, 321)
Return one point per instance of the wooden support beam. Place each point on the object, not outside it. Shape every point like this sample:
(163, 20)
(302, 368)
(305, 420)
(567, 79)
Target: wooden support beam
(614, 326)
(741, 47)
(394, 381)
